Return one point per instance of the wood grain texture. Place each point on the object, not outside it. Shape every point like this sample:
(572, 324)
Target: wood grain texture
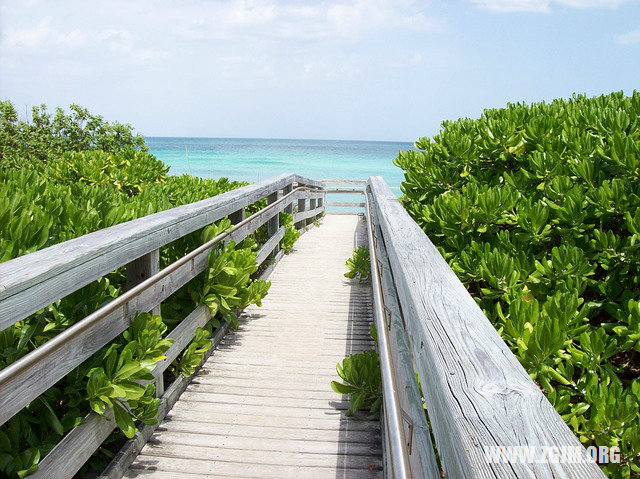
(127, 454)
(262, 405)
(274, 223)
(24, 380)
(33, 281)
(422, 459)
(343, 182)
(346, 191)
(477, 392)
(182, 335)
(345, 203)
(68, 456)
(271, 246)
(303, 215)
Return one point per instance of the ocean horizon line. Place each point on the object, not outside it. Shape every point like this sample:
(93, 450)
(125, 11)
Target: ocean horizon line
(335, 140)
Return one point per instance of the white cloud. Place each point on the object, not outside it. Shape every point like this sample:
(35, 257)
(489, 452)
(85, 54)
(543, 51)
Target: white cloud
(629, 38)
(30, 37)
(592, 3)
(44, 37)
(514, 5)
(543, 6)
(296, 21)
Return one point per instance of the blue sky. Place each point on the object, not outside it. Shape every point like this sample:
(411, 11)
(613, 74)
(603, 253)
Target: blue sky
(348, 69)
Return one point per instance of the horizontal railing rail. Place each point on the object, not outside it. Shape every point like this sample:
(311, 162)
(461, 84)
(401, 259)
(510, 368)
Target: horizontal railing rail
(344, 187)
(31, 282)
(395, 437)
(477, 393)
(24, 380)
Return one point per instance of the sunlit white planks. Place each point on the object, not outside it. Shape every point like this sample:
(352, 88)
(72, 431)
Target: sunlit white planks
(262, 406)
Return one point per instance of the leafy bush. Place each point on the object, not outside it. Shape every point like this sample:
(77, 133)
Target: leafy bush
(537, 210)
(291, 233)
(47, 137)
(66, 176)
(228, 286)
(362, 381)
(359, 264)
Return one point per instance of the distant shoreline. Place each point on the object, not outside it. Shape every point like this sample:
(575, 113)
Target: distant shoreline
(152, 137)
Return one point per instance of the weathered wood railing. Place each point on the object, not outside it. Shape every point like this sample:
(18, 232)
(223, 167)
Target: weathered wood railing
(476, 392)
(36, 280)
(348, 188)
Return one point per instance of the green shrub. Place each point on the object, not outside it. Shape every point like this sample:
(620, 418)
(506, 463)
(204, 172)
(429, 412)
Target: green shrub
(362, 381)
(359, 264)
(537, 210)
(61, 178)
(46, 137)
(291, 233)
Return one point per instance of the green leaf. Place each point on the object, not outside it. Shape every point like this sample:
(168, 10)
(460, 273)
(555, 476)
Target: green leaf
(124, 421)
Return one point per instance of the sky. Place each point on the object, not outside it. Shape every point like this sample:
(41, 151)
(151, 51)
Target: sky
(348, 69)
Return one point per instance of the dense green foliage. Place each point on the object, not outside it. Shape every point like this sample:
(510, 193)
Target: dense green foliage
(359, 264)
(46, 137)
(291, 233)
(362, 381)
(537, 210)
(67, 176)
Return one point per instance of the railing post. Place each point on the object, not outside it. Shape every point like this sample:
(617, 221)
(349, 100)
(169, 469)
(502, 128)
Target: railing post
(137, 271)
(302, 206)
(285, 191)
(274, 223)
(312, 206)
(237, 216)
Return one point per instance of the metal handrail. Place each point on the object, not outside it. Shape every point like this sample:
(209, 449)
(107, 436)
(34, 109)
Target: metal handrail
(61, 339)
(392, 409)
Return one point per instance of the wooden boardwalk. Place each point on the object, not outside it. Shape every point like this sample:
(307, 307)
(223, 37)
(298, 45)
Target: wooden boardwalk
(262, 406)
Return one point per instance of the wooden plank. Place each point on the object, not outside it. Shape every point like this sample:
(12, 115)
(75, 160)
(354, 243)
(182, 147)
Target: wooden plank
(303, 215)
(132, 448)
(27, 378)
(237, 216)
(313, 195)
(288, 402)
(477, 392)
(260, 456)
(422, 459)
(312, 207)
(265, 251)
(194, 426)
(285, 191)
(127, 454)
(138, 271)
(50, 274)
(274, 392)
(266, 397)
(344, 203)
(345, 191)
(269, 269)
(277, 445)
(182, 336)
(216, 468)
(343, 182)
(68, 456)
(274, 223)
(302, 206)
(207, 415)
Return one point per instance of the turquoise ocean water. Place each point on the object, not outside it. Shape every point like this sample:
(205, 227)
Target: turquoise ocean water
(258, 159)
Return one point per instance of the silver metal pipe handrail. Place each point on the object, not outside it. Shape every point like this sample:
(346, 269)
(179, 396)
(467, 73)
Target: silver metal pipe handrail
(122, 301)
(392, 409)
